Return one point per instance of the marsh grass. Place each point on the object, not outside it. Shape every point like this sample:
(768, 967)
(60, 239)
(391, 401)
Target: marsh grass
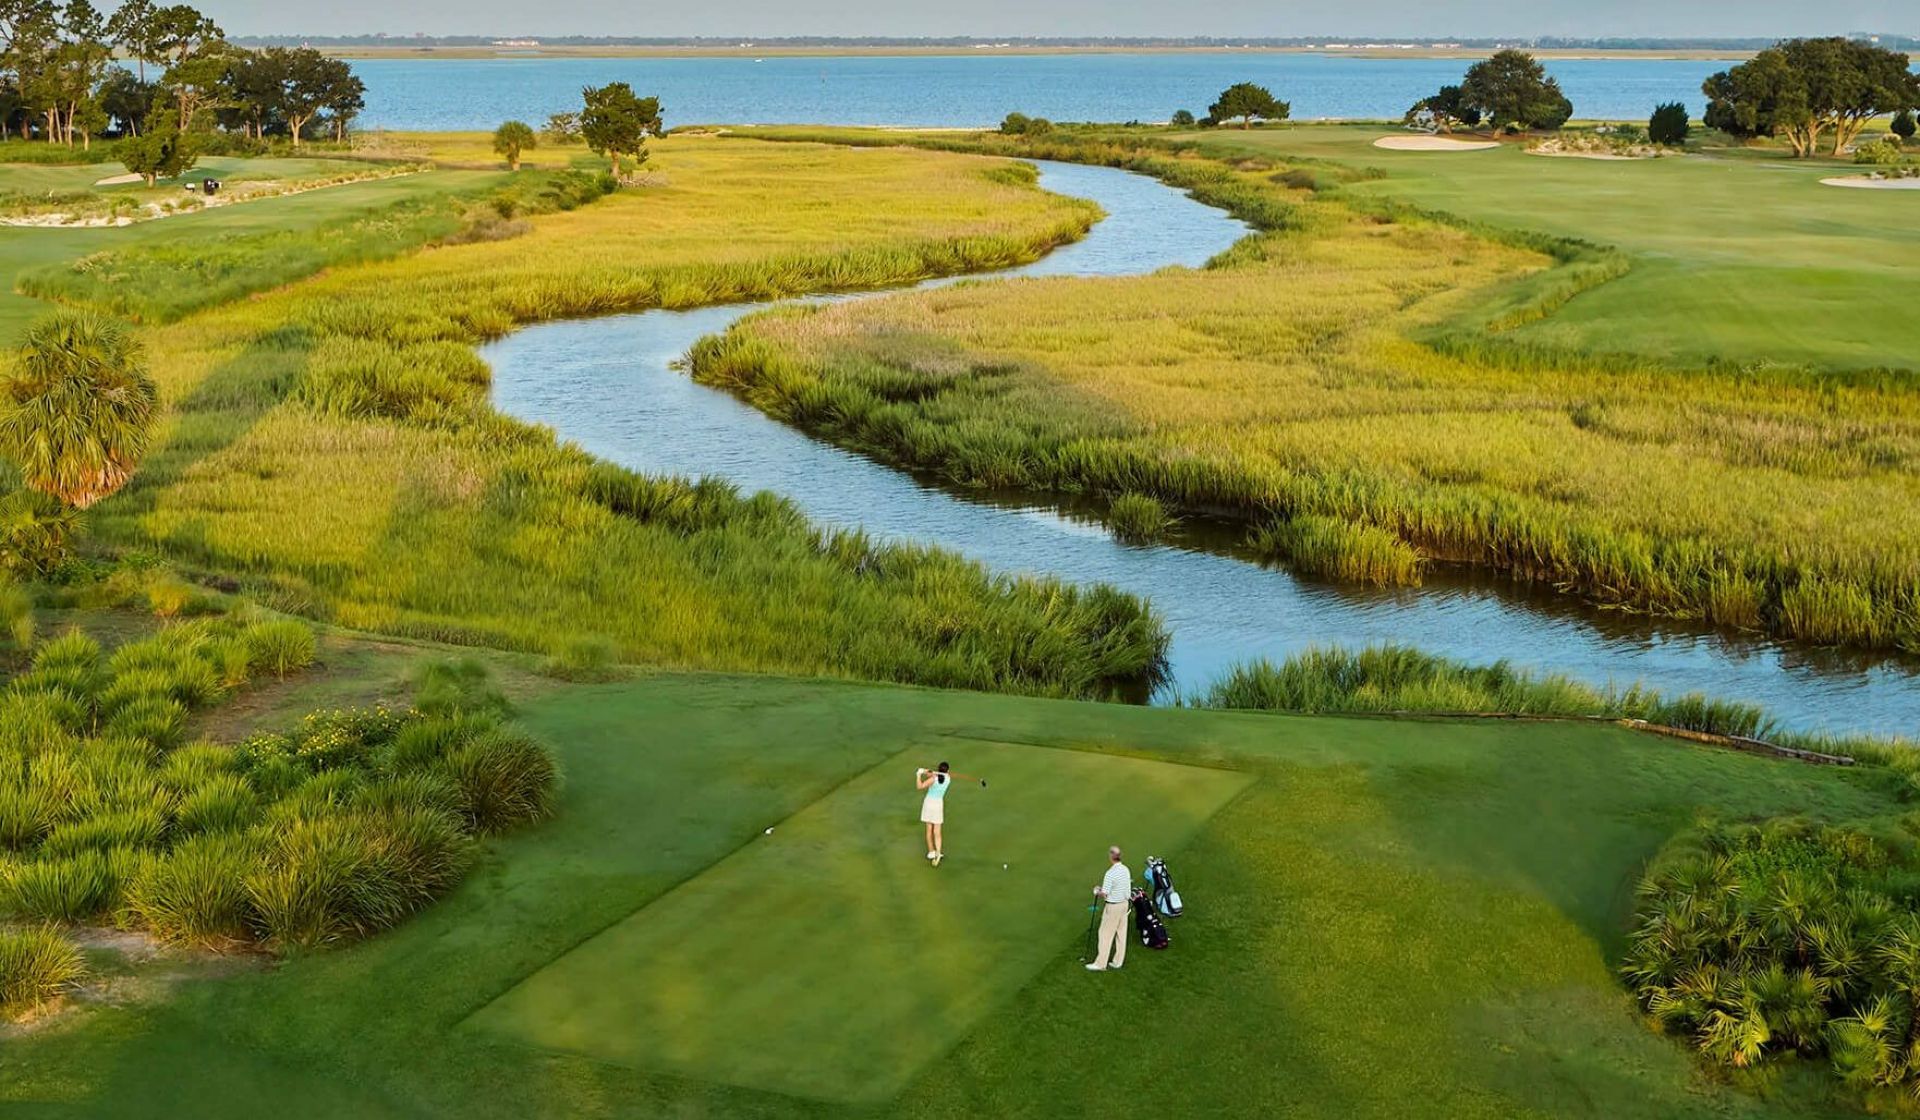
(1388, 679)
(1346, 370)
(1138, 518)
(332, 446)
(1341, 550)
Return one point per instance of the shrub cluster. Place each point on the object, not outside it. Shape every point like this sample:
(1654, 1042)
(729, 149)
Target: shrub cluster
(1789, 937)
(338, 828)
(36, 965)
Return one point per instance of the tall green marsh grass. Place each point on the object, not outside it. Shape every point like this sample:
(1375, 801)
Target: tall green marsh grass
(1353, 400)
(1393, 679)
(331, 444)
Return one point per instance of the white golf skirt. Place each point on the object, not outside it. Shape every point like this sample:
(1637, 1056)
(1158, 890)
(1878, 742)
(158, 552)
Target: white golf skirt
(933, 811)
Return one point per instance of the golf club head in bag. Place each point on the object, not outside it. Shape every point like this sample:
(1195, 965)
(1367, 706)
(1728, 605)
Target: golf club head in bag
(1153, 931)
(1160, 882)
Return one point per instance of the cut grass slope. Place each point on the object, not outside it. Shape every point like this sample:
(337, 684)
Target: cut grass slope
(1745, 261)
(1397, 918)
(738, 974)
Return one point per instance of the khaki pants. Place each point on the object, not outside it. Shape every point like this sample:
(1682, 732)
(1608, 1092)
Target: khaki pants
(1113, 935)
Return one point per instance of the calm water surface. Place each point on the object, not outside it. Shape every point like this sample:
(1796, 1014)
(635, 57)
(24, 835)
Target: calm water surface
(611, 386)
(973, 89)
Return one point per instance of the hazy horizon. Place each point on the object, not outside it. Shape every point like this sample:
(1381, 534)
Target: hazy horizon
(1021, 18)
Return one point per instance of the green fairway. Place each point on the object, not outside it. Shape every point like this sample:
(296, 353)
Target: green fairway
(739, 975)
(23, 249)
(1396, 918)
(1742, 259)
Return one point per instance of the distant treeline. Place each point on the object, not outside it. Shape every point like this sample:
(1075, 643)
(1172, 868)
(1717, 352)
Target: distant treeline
(814, 41)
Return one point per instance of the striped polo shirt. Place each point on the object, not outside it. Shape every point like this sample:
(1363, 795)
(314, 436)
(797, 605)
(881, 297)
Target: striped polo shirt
(1118, 885)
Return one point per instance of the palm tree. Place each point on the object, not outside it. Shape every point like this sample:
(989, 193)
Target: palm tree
(77, 408)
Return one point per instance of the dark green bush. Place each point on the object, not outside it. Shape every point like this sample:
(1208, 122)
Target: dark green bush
(453, 687)
(505, 779)
(322, 880)
(71, 889)
(1790, 938)
(196, 893)
(131, 828)
(36, 965)
(217, 803)
(280, 647)
(1669, 125)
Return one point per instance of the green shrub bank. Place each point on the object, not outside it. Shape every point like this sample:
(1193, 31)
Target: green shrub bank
(1788, 939)
(341, 827)
(37, 965)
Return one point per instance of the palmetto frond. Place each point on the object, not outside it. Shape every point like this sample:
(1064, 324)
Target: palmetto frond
(77, 408)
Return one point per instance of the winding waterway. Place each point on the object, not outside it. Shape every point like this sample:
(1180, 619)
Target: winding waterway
(612, 386)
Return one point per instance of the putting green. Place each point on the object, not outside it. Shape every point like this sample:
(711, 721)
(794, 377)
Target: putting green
(741, 974)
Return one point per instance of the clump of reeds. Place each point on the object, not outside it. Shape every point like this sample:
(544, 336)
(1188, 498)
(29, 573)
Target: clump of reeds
(1342, 550)
(1138, 518)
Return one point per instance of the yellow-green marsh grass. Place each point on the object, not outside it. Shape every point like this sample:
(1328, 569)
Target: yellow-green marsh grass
(331, 441)
(1285, 381)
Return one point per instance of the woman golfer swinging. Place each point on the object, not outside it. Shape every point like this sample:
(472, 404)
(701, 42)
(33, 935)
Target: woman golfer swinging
(933, 810)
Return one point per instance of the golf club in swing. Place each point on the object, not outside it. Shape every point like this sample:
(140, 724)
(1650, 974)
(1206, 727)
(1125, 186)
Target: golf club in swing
(955, 774)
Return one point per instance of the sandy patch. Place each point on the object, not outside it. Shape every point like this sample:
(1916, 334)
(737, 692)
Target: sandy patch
(118, 180)
(1433, 144)
(1588, 155)
(1873, 184)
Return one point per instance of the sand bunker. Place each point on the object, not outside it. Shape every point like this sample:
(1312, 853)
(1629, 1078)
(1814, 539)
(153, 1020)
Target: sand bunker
(1873, 184)
(1432, 144)
(117, 180)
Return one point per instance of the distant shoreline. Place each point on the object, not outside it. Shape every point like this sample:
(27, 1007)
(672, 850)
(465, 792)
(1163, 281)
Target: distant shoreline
(777, 51)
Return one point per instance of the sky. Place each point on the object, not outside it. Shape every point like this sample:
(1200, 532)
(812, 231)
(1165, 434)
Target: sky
(988, 18)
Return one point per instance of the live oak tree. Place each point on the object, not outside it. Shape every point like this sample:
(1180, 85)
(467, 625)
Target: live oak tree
(1245, 101)
(512, 138)
(77, 408)
(197, 57)
(1444, 111)
(162, 150)
(1511, 89)
(1799, 89)
(135, 29)
(615, 123)
(307, 82)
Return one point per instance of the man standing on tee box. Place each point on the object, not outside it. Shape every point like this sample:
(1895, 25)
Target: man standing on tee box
(1117, 891)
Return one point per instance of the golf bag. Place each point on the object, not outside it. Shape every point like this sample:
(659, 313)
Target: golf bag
(1165, 898)
(1153, 931)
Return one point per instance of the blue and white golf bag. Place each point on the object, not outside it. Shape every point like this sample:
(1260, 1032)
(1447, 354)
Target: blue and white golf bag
(1160, 885)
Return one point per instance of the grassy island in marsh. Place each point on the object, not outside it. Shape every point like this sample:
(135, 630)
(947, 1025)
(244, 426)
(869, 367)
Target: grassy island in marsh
(1341, 364)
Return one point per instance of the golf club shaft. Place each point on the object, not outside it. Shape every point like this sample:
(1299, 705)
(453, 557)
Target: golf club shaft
(957, 775)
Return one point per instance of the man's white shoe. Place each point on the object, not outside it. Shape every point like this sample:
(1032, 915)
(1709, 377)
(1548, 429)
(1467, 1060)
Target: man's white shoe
(1096, 968)
(1113, 968)
(930, 855)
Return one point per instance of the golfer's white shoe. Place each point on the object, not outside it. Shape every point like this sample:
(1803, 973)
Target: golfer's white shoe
(1113, 968)
(1096, 968)
(930, 855)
